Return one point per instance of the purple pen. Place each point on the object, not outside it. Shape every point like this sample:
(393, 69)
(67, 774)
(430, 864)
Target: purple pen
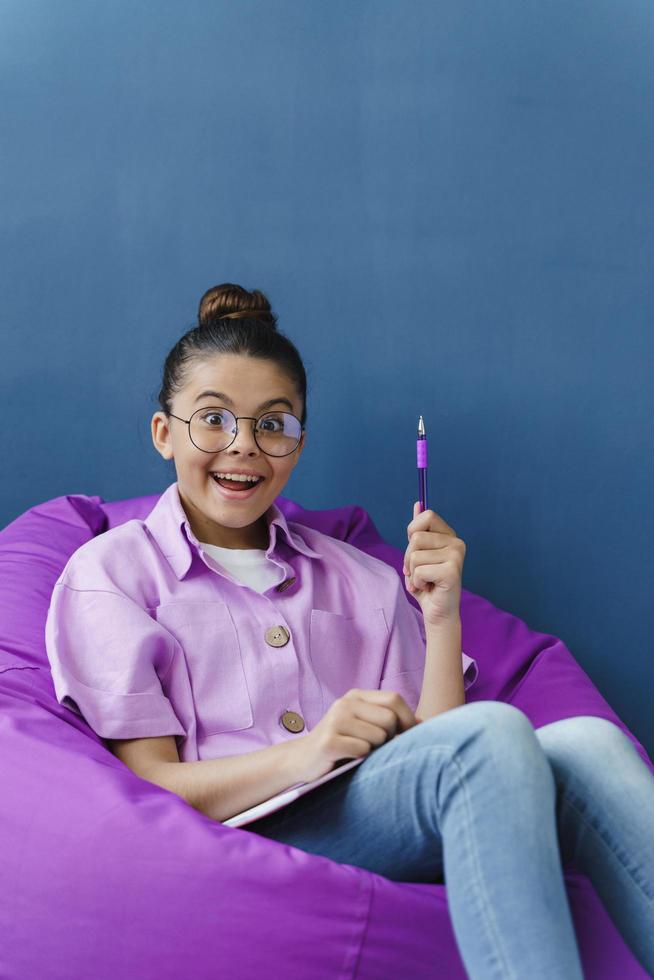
(422, 464)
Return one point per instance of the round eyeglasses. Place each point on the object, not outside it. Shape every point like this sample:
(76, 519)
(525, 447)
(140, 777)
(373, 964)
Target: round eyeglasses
(215, 428)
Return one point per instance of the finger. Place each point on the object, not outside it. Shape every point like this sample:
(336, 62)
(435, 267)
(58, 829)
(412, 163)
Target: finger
(416, 511)
(376, 714)
(429, 541)
(406, 717)
(440, 557)
(401, 708)
(422, 540)
(428, 520)
(443, 574)
(376, 731)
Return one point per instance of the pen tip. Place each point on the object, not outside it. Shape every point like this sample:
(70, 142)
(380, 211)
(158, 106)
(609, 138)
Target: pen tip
(421, 426)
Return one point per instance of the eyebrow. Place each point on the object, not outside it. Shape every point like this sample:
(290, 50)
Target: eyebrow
(228, 400)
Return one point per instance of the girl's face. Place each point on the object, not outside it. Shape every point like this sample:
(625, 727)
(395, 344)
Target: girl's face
(243, 385)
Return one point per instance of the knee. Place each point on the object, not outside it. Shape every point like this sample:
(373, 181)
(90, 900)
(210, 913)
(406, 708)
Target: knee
(582, 737)
(492, 735)
(497, 722)
(494, 716)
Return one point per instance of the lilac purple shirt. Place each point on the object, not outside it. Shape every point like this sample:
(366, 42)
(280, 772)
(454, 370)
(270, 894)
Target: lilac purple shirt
(148, 635)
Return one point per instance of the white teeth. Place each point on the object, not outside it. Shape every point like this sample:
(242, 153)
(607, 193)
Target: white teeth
(242, 477)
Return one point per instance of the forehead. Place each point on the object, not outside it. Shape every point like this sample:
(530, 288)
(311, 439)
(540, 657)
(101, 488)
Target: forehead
(241, 377)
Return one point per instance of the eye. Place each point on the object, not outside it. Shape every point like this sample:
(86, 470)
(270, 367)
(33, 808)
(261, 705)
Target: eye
(213, 415)
(271, 423)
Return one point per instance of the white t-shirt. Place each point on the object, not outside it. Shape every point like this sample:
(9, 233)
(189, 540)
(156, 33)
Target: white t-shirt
(248, 565)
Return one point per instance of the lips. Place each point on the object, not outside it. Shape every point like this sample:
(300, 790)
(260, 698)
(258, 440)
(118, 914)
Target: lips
(222, 473)
(230, 494)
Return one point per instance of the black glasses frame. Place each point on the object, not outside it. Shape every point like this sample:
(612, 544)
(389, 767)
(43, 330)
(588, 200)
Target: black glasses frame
(237, 418)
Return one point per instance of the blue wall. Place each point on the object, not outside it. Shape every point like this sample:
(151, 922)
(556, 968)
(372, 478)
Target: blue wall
(450, 207)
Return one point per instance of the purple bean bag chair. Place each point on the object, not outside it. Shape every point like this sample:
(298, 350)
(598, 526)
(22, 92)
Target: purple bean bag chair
(106, 875)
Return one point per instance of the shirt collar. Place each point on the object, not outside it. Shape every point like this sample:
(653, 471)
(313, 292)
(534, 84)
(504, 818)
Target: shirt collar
(169, 526)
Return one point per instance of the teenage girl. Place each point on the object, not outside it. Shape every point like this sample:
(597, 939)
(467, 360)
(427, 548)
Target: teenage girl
(237, 653)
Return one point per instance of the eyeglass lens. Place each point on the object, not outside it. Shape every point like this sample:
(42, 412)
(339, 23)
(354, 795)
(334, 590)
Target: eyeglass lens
(214, 428)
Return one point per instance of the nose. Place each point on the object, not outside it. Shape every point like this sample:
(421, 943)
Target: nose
(244, 440)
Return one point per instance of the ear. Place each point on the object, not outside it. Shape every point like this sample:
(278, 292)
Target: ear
(161, 435)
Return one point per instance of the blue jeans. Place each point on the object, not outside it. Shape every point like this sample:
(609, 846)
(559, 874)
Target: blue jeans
(479, 800)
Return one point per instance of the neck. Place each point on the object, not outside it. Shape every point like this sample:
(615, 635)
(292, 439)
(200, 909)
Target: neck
(256, 535)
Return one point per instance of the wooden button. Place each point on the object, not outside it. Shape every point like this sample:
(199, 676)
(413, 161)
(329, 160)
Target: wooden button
(277, 636)
(285, 585)
(292, 721)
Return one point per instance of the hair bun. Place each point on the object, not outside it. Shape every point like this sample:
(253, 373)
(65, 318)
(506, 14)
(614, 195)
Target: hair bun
(230, 301)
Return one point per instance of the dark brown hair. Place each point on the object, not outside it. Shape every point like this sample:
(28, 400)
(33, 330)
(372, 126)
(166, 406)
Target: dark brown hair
(232, 320)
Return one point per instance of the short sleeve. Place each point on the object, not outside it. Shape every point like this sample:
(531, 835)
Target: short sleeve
(404, 664)
(107, 655)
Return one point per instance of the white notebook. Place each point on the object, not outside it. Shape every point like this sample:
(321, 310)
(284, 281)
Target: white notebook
(287, 796)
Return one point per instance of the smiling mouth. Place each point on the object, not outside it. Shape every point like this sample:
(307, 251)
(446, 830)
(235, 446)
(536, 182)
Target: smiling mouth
(237, 486)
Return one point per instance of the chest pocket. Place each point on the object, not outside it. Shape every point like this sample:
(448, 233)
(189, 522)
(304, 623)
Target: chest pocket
(208, 637)
(347, 651)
